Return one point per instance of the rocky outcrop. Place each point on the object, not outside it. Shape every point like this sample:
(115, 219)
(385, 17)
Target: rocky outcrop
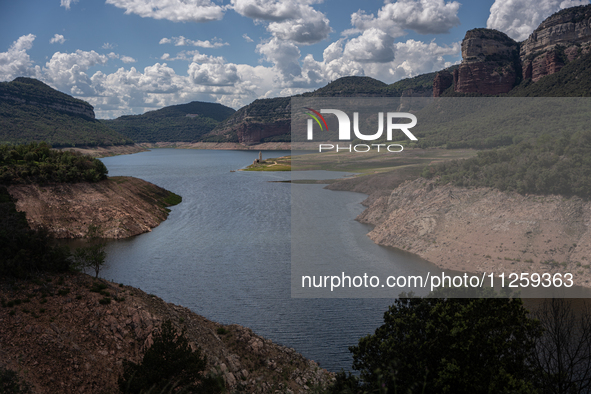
(63, 337)
(261, 119)
(561, 38)
(443, 80)
(484, 229)
(492, 63)
(121, 206)
(33, 92)
(489, 63)
(252, 132)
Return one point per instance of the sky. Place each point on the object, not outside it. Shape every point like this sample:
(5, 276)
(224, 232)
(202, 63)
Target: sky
(132, 56)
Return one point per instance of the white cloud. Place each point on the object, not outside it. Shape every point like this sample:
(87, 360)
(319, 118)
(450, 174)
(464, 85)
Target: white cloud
(57, 38)
(16, 61)
(310, 27)
(289, 20)
(422, 16)
(247, 38)
(67, 71)
(182, 41)
(66, 3)
(411, 58)
(519, 18)
(283, 55)
(415, 57)
(270, 10)
(124, 59)
(193, 56)
(213, 74)
(106, 45)
(333, 52)
(172, 10)
(373, 46)
(128, 59)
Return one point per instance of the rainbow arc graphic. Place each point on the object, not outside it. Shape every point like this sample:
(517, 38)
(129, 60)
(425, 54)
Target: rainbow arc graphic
(317, 115)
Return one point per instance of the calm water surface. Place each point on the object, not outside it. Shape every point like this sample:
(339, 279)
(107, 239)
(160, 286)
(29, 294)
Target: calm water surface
(224, 252)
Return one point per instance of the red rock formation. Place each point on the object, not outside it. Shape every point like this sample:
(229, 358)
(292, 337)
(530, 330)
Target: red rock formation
(489, 63)
(443, 80)
(561, 38)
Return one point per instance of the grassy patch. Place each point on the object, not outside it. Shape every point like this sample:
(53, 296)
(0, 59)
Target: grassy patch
(278, 164)
(172, 199)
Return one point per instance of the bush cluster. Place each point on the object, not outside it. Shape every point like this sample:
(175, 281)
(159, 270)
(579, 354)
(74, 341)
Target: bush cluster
(23, 251)
(38, 163)
(550, 165)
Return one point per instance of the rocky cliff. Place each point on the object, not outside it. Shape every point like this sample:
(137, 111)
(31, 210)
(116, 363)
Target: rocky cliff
(493, 63)
(253, 123)
(122, 206)
(63, 337)
(490, 64)
(484, 229)
(561, 38)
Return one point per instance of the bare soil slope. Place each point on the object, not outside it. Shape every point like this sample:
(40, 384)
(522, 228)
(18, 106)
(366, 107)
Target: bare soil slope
(122, 206)
(484, 229)
(60, 338)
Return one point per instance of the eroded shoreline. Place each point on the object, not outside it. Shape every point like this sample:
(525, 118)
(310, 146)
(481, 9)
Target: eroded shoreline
(121, 206)
(484, 229)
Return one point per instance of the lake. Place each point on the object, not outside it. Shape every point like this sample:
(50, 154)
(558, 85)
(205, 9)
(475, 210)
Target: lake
(225, 251)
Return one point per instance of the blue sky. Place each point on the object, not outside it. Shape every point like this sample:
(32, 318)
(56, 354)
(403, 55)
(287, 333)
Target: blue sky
(131, 56)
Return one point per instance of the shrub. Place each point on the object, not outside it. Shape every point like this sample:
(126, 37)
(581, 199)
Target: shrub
(10, 383)
(169, 365)
(447, 345)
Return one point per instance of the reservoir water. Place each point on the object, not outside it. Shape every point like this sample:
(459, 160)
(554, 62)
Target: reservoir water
(224, 252)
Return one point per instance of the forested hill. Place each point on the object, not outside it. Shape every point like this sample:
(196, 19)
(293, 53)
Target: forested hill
(177, 123)
(31, 111)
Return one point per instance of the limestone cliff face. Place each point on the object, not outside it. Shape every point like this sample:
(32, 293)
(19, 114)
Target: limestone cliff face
(122, 206)
(489, 63)
(33, 92)
(561, 38)
(484, 229)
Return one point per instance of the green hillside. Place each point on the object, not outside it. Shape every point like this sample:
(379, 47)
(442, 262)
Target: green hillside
(351, 86)
(31, 111)
(423, 82)
(177, 123)
(538, 153)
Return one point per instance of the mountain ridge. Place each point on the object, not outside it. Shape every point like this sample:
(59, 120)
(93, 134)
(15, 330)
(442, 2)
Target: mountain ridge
(176, 123)
(31, 111)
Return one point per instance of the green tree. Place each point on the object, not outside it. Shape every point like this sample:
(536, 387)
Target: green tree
(169, 365)
(93, 255)
(448, 345)
(25, 252)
